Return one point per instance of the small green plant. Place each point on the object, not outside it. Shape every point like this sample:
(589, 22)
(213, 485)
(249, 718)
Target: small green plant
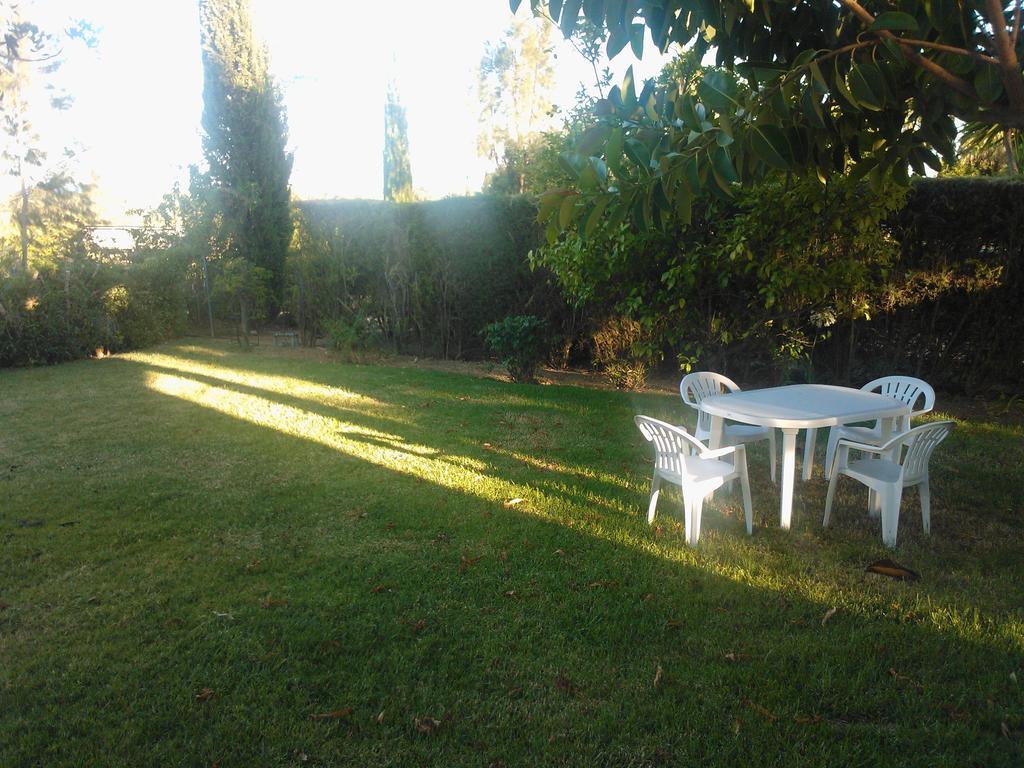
(621, 350)
(521, 341)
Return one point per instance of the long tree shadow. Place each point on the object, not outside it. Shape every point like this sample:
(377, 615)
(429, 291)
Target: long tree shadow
(374, 589)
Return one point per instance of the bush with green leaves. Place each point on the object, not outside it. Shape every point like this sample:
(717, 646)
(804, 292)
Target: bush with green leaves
(521, 343)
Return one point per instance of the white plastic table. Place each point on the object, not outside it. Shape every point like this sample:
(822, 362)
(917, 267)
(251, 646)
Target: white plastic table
(796, 407)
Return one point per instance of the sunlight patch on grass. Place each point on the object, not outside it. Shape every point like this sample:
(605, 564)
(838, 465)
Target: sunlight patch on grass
(281, 385)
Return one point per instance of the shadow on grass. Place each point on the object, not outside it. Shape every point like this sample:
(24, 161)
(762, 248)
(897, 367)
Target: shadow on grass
(566, 637)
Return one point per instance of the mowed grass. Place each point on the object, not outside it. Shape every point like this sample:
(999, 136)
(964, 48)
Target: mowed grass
(270, 559)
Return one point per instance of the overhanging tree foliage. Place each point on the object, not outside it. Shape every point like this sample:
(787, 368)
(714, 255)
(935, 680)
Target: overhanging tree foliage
(820, 86)
(244, 142)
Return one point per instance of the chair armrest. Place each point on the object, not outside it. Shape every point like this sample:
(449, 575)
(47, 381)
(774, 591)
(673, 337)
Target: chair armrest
(866, 447)
(719, 452)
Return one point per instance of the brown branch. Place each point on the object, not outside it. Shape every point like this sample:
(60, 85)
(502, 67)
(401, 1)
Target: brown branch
(1012, 78)
(958, 84)
(948, 49)
(1016, 23)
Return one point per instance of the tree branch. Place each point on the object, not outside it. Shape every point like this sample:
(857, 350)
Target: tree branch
(1012, 78)
(948, 49)
(958, 84)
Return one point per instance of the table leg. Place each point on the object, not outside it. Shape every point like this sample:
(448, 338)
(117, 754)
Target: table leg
(788, 473)
(874, 500)
(717, 432)
(810, 438)
(715, 440)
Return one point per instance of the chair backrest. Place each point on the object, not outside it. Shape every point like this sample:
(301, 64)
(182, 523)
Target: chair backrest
(919, 443)
(696, 386)
(671, 443)
(907, 390)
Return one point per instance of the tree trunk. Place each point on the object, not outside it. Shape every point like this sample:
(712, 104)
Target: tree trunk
(243, 319)
(23, 225)
(1011, 157)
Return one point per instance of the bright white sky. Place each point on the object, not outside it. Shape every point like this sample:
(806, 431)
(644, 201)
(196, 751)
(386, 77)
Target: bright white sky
(138, 95)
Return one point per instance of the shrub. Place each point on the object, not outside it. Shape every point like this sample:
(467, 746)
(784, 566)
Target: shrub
(521, 343)
(620, 349)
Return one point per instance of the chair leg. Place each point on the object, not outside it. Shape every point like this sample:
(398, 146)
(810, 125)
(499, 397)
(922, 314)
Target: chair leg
(687, 514)
(655, 492)
(748, 510)
(696, 507)
(830, 451)
(771, 454)
(926, 505)
(891, 497)
(829, 497)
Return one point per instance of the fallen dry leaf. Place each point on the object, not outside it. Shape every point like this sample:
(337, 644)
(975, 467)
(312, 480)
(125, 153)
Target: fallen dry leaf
(418, 626)
(674, 623)
(760, 710)
(647, 598)
(604, 583)
(955, 714)
(736, 726)
(560, 552)
(465, 563)
(205, 694)
(269, 602)
(732, 656)
(427, 725)
(514, 502)
(511, 593)
(3, 606)
(336, 714)
(380, 717)
(487, 445)
(563, 684)
(828, 615)
(893, 570)
(657, 676)
(389, 527)
(379, 588)
(801, 720)
(903, 678)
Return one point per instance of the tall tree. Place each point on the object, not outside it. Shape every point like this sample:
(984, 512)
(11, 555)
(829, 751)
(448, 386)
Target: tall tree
(29, 54)
(244, 141)
(515, 80)
(397, 171)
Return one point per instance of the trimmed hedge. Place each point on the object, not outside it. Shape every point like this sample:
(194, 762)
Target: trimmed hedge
(428, 276)
(955, 314)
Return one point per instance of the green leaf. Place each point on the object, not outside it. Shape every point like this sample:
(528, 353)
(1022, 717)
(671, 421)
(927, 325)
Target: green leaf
(566, 210)
(636, 40)
(988, 83)
(684, 204)
(860, 83)
(613, 149)
(894, 21)
(514, 5)
(812, 109)
(549, 203)
(616, 42)
(844, 89)
(721, 165)
(638, 152)
(570, 14)
(718, 90)
(555, 9)
(592, 139)
(770, 145)
(593, 10)
(594, 217)
(629, 89)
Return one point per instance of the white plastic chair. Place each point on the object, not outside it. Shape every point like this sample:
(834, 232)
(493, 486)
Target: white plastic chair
(906, 389)
(681, 459)
(889, 476)
(696, 386)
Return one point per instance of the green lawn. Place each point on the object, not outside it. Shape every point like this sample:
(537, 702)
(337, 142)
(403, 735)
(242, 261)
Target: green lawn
(202, 551)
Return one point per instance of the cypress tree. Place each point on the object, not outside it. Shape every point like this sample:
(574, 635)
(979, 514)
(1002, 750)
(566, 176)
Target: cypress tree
(244, 139)
(397, 173)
